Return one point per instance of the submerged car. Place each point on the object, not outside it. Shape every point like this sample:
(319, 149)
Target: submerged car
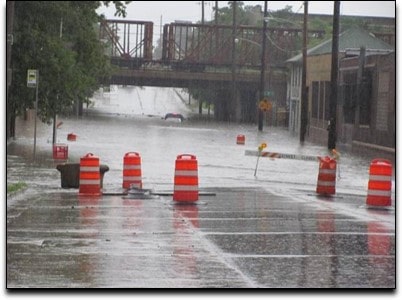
(174, 116)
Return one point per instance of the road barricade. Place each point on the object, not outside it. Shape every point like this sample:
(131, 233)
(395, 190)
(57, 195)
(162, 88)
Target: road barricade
(132, 176)
(186, 178)
(71, 137)
(281, 155)
(89, 175)
(241, 139)
(379, 185)
(326, 176)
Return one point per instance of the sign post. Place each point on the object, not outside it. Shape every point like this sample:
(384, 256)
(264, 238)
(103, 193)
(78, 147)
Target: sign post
(33, 82)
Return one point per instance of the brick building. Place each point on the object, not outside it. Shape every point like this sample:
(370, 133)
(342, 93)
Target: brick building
(375, 112)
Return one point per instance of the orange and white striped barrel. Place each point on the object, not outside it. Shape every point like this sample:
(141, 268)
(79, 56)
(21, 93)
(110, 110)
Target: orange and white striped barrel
(326, 176)
(132, 175)
(241, 139)
(71, 137)
(90, 178)
(379, 185)
(186, 178)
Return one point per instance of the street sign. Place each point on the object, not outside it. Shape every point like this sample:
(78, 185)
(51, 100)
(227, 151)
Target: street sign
(31, 80)
(265, 105)
(268, 94)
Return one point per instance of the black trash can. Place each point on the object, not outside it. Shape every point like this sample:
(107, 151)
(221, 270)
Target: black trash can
(70, 174)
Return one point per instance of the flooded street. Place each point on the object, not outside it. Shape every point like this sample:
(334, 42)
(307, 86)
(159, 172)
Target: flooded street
(266, 231)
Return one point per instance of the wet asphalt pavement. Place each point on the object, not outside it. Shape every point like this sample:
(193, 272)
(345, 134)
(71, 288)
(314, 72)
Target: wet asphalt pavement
(231, 238)
(266, 231)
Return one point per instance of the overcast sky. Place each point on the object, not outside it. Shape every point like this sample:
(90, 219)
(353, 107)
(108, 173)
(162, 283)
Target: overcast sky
(170, 11)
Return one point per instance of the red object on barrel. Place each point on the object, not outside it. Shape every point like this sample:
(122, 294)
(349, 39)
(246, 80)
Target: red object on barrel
(241, 139)
(132, 170)
(379, 185)
(326, 176)
(186, 178)
(90, 175)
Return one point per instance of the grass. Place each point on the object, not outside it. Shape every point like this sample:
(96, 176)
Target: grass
(14, 187)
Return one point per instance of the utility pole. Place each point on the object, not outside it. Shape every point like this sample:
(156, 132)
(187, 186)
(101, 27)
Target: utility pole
(334, 79)
(263, 63)
(202, 12)
(216, 12)
(202, 22)
(304, 95)
(233, 59)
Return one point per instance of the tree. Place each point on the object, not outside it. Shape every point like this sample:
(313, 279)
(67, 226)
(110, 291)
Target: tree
(59, 39)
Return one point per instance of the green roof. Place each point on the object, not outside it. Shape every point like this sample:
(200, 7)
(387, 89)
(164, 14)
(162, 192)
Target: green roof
(354, 38)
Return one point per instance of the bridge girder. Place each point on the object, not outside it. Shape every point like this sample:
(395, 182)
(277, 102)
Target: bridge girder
(174, 78)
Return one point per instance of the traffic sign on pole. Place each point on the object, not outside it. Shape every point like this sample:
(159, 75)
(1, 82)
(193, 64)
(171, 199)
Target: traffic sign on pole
(269, 94)
(265, 105)
(31, 79)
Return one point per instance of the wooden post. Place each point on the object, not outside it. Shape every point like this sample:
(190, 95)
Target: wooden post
(334, 79)
(304, 96)
(263, 63)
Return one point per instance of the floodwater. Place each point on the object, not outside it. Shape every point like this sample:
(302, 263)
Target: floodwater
(130, 120)
(268, 230)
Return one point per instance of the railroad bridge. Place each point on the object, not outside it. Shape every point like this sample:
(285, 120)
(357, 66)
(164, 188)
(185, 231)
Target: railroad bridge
(218, 57)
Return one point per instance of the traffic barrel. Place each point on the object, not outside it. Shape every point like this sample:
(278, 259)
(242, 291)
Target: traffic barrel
(71, 137)
(241, 139)
(90, 182)
(379, 185)
(186, 178)
(132, 176)
(326, 176)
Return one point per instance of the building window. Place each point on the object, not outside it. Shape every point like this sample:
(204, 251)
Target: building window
(349, 102)
(365, 98)
(320, 99)
(352, 96)
(349, 97)
(326, 97)
(315, 102)
(382, 101)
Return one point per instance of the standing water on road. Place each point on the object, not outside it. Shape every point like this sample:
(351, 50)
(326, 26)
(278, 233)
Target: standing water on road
(131, 119)
(268, 230)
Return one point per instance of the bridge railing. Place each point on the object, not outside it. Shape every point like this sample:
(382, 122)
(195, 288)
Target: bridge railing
(128, 39)
(196, 46)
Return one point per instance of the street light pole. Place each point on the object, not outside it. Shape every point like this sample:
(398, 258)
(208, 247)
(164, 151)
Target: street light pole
(262, 76)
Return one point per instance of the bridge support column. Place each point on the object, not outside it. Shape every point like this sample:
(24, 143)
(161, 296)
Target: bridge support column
(229, 105)
(236, 107)
(242, 108)
(222, 103)
(248, 104)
